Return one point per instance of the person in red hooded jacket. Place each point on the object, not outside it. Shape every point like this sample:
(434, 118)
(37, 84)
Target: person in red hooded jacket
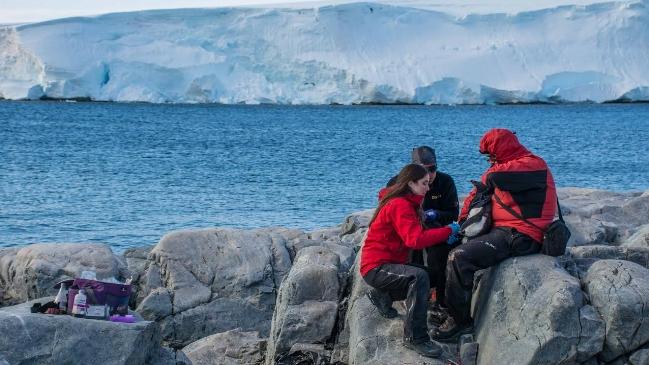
(396, 229)
(523, 182)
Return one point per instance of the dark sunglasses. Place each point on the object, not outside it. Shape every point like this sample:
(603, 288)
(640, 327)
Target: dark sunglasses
(431, 168)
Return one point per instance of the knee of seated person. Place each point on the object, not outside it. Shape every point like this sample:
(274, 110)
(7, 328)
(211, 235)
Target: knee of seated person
(422, 276)
(457, 254)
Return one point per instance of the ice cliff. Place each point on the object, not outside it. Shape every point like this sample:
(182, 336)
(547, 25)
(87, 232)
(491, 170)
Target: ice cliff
(349, 53)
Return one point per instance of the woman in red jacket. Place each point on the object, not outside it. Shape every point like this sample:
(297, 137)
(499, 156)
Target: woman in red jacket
(394, 230)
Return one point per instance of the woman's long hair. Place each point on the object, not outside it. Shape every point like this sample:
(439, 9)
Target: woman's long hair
(411, 172)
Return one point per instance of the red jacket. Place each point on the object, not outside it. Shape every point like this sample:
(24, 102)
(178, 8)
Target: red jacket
(395, 231)
(523, 182)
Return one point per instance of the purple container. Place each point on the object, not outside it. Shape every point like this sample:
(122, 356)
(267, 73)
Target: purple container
(116, 296)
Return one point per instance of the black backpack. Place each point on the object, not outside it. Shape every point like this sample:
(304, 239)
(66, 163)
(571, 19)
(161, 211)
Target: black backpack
(555, 237)
(478, 221)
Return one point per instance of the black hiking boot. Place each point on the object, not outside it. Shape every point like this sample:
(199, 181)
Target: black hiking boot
(424, 347)
(383, 303)
(436, 315)
(449, 331)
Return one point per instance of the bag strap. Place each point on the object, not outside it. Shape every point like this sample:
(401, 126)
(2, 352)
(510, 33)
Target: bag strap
(559, 208)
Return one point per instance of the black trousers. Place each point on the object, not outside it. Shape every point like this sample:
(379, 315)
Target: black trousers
(480, 253)
(436, 259)
(407, 282)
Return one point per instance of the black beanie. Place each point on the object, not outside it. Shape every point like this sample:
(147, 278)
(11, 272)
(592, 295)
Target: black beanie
(424, 155)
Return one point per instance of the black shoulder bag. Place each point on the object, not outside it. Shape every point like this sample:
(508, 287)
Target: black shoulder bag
(555, 237)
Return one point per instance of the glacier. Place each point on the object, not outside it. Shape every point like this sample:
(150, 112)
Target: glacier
(347, 53)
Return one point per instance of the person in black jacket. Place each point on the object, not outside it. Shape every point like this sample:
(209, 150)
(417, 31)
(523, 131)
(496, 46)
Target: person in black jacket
(440, 208)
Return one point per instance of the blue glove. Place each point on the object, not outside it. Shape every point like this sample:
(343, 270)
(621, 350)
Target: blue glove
(452, 239)
(455, 228)
(430, 216)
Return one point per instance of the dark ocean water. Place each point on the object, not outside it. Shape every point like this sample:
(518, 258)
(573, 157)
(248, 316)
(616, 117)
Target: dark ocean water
(125, 174)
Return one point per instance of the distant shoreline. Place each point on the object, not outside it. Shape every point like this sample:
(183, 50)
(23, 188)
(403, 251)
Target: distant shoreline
(558, 103)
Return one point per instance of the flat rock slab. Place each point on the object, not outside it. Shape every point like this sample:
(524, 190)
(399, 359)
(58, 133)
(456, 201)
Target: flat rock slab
(29, 338)
(227, 348)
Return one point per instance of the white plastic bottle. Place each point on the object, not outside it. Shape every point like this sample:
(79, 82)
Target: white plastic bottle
(79, 304)
(62, 297)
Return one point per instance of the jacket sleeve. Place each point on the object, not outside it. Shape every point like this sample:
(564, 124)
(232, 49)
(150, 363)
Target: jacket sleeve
(450, 205)
(467, 201)
(414, 236)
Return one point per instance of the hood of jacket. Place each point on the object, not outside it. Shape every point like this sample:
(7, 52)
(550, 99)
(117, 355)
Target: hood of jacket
(503, 145)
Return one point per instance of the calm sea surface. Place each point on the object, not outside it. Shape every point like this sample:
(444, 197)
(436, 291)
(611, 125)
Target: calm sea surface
(125, 174)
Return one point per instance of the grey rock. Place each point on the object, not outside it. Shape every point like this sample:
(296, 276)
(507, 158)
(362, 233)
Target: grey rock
(583, 257)
(354, 239)
(228, 348)
(591, 361)
(373, 339)
(219, 279)
(345, 254)
(136, 260)
(31, 271)
(61, 339)
(619, 290)
(7, 295)
(168, 356)
(639, 239)
(325, 234)
(301, 353)
(356, 221)
(307, 303)
(156, 305)
(219, 315)
(593, 332)
(469, 353)
(602, 217)
(640, 357)
(527, 312)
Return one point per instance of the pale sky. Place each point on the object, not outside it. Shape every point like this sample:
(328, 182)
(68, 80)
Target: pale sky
(25, 11)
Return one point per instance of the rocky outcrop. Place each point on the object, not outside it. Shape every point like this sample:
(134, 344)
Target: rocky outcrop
(307, 302)
(31, 271)
(216, 280)
(29, 338)
(579, 259)
(619, 290)
(209, 281)
(529, 310)
(602, 217)
(639, 239)
(286, 296)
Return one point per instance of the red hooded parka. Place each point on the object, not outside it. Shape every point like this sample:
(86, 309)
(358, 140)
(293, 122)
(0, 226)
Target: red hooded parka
(523, 182)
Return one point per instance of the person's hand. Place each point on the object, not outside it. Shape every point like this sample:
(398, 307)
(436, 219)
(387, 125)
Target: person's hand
(430, 216)
(452, 239)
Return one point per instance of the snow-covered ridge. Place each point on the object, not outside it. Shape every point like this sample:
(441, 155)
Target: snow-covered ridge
(350, 53)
